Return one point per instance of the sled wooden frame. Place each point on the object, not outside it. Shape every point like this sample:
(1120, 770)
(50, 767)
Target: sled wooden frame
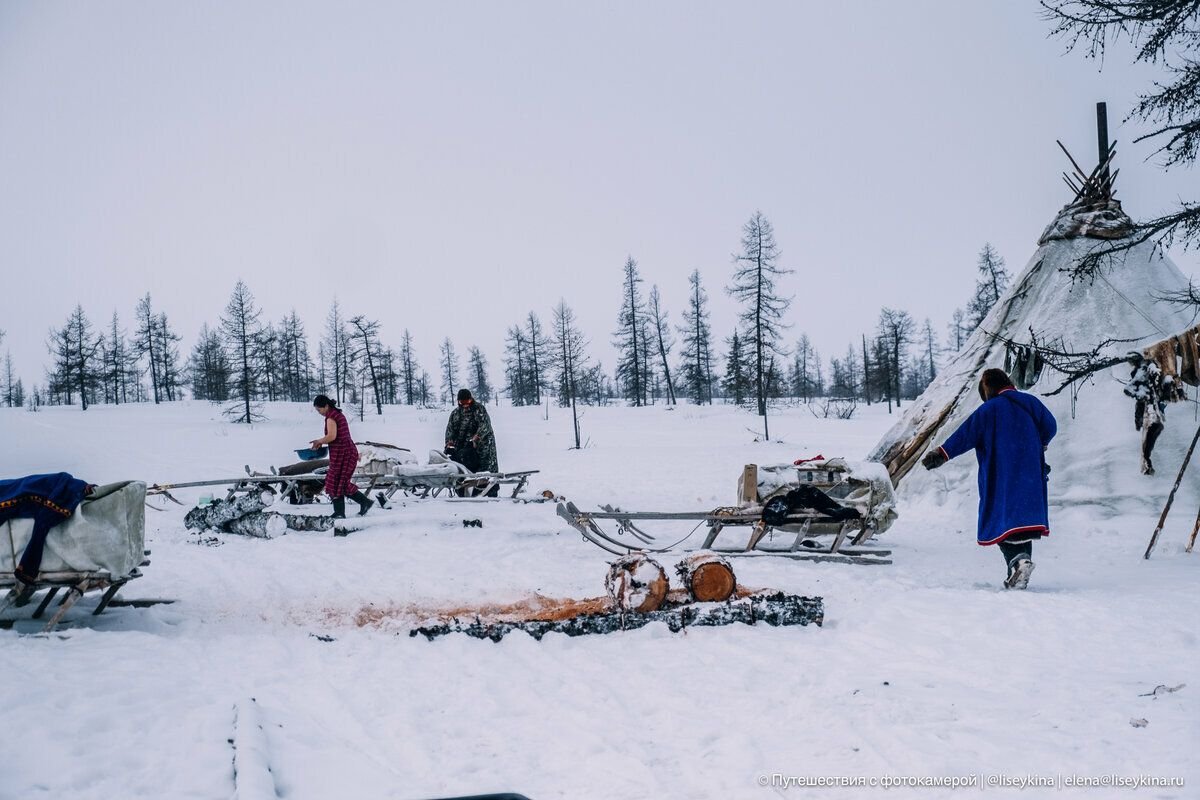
(429, 485)
(433, 485)
(76, 584)
(637, 540)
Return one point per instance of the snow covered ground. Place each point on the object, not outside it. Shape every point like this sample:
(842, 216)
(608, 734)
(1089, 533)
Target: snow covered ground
(924, 668)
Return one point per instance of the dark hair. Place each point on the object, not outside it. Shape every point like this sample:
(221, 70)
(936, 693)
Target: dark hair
(994, 379)
(323, 401)
(464, 394)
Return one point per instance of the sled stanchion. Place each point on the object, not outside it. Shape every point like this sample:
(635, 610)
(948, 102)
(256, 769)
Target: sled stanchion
(72, 597)
(107, 597)
(837, 540)
(760, 530)
(800, 536)
(714, 529)
(1162, 520)
(41, 609)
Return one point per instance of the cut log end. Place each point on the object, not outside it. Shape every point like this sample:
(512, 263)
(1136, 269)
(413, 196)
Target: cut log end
(637, 583)
(712, 583)
(708, 577)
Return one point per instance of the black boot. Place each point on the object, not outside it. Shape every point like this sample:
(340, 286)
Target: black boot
(339, 508)
(364, 503)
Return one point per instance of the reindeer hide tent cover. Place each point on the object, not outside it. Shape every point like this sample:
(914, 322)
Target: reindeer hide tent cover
(1095, 455)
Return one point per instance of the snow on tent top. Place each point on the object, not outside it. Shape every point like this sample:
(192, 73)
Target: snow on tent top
(1096, 456)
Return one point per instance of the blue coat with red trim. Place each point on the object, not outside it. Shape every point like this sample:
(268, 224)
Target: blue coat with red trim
(1008, 434)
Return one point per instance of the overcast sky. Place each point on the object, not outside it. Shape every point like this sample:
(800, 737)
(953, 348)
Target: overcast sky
(449, 167)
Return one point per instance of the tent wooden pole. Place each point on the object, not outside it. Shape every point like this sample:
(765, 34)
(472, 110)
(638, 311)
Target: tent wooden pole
(1192, 539)
(1171, 497)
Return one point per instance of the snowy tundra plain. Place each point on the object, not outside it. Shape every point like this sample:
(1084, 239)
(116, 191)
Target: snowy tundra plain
(924, 668)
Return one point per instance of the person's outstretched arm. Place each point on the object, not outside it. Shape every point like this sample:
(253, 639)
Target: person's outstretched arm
(961, 441)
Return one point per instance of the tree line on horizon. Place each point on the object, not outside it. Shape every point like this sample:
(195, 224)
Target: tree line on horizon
(242, 360)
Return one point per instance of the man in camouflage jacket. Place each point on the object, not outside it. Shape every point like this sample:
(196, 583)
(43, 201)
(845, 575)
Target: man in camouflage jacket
(469, 437)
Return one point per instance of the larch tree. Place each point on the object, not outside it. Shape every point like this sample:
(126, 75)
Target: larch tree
(208, 368)
(989, 286)
(364, 339)
(120, 368)
(570, 361)
(754, 286)
(337, 353)
(515, 357)
(931, 350)
(896, 330)
(480, 386)
(696, 357)
(802, 369)
(296, 365)
(736, 383)
(146, 341)
(958, 330)
(13, 390)
(537, 346)
(410, 370)
(74, 348)
(660, 329)
(448, 363)
(630, 337)
(240, 329)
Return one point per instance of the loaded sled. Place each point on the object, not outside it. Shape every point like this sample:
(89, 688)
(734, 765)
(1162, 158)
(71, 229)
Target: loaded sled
(815, 510)
(99, 548)
(383, 471)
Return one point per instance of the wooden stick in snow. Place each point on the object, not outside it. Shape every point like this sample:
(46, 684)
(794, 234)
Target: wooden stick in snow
(1171, 497)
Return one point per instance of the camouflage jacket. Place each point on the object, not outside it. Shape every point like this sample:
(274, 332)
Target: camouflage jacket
(472, 423)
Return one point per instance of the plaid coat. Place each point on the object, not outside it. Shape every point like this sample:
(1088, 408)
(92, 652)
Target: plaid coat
(343, 459)
(470, 432)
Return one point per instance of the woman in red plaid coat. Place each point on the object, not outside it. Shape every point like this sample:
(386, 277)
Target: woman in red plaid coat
(343, 459)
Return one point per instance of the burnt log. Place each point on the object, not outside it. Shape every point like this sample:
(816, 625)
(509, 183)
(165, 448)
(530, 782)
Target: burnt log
(774, 609)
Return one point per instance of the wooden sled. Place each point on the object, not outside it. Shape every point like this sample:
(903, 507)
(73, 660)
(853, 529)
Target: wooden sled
(431, 485)
(845, 545)
(100, 547)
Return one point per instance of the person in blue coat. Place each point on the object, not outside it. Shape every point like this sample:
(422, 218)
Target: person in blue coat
(1009, 434)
